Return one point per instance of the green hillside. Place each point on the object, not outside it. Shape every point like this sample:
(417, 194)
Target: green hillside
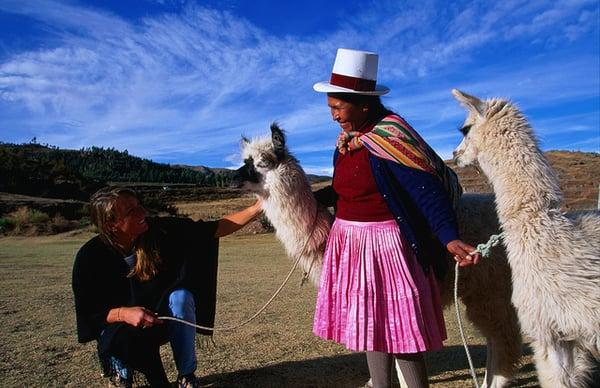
(47, 171)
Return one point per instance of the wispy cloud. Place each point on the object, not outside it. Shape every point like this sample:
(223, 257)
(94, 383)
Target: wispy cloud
(183, 85)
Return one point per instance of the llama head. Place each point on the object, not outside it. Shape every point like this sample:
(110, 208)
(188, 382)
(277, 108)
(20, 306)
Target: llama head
(466, 153)
(261, 156)
(494, 128)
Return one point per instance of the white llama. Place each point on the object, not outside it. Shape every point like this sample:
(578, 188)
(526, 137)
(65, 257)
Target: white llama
(555, 259)
(302, 227)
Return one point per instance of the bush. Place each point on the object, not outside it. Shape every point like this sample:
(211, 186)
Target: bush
(60, 224)
(38, 217)
(85, 221)
(20, 217)
(23, 218)
(26, 216)
(6, 224)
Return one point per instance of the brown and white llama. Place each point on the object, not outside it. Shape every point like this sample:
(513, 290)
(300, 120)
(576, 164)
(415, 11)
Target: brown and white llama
(272, 172)
(555, 258)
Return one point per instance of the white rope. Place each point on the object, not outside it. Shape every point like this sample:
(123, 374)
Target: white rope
(263, 308)
(485, 250)
(460, 327)
(236, 326)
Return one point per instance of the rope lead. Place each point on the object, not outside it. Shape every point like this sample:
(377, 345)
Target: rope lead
(485, 250)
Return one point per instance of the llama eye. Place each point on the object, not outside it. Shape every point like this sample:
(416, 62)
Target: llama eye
(264, 164)
(464, 130)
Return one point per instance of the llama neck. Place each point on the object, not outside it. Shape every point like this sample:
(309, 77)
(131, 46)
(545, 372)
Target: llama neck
(525, 185)
(289, 196)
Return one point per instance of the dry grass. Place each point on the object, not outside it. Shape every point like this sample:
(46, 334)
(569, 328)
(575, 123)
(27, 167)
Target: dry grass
(39, 345)
(578, 173)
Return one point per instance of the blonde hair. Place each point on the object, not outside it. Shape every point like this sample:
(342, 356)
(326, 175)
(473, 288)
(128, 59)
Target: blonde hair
(103, 212)
(148, 260)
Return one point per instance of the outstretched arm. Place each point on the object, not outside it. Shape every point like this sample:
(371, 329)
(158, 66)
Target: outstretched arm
(235, 221)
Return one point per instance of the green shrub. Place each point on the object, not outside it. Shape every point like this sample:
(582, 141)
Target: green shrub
(85, 221)
(24, 217)
(6, 224)
(38, 217)
(20, 217)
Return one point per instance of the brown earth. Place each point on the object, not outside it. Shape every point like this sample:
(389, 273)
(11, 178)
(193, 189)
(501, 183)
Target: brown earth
(578, 172)
(68, 208)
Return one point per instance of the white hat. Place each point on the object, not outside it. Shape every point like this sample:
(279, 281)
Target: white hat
(353, 72)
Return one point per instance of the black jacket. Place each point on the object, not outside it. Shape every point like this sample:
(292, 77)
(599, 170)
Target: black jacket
(189, 253)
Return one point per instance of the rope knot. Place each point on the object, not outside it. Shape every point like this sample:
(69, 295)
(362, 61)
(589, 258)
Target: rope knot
(486, 249)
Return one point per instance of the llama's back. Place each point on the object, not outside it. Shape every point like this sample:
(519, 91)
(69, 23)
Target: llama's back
(588, 222)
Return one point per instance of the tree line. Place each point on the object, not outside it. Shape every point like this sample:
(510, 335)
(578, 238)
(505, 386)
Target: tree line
(43, 170)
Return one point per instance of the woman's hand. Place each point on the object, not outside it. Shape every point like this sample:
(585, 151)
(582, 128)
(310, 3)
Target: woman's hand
(348, 141)
(136, 316)
(235, 221)
(463, 253)
(257, 205)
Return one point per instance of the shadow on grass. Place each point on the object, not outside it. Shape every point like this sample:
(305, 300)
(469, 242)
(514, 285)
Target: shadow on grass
(350, 370)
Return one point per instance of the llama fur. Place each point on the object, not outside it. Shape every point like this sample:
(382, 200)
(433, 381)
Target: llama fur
(271, 172)
(554, 257)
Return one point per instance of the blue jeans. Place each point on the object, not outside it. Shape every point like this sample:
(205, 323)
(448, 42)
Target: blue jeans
(181, 336)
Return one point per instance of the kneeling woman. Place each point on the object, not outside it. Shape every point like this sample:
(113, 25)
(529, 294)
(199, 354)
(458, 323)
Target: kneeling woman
(137, 267)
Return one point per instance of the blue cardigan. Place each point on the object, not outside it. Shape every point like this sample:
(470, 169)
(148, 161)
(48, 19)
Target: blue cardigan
(420, 206)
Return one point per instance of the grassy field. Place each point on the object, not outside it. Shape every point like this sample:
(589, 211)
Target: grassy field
(39, 347)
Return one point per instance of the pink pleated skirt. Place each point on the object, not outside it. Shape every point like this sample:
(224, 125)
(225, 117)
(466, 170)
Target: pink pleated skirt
(374, 295)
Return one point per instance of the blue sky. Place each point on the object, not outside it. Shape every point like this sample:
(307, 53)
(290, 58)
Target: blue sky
(181, 81)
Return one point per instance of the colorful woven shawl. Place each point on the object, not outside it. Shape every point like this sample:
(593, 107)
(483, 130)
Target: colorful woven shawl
(394, 139)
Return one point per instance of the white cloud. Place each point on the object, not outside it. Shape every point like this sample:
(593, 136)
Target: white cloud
(191, 81)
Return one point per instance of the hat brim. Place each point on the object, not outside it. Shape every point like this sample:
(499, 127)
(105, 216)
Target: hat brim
(326, 87)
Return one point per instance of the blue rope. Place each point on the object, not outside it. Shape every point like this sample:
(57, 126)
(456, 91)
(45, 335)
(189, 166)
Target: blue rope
(486, 249)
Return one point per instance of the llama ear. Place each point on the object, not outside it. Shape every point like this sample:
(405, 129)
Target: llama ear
(245, 140)
(472, 103)
(278, 138)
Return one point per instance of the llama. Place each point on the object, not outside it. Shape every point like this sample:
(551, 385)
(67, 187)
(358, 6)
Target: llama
(555, 259)
(271, 172)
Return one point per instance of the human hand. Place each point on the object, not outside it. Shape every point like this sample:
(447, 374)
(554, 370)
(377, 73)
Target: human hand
(138, 316)
(463, 253)
(257, 206)
(348, 141)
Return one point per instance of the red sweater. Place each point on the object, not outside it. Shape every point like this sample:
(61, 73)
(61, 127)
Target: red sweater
(358, 197)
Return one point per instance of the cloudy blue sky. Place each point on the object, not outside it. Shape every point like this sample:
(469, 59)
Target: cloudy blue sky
(180, 81)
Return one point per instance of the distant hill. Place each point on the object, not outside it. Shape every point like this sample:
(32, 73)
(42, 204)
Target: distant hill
(578, 172)
(46, 171)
